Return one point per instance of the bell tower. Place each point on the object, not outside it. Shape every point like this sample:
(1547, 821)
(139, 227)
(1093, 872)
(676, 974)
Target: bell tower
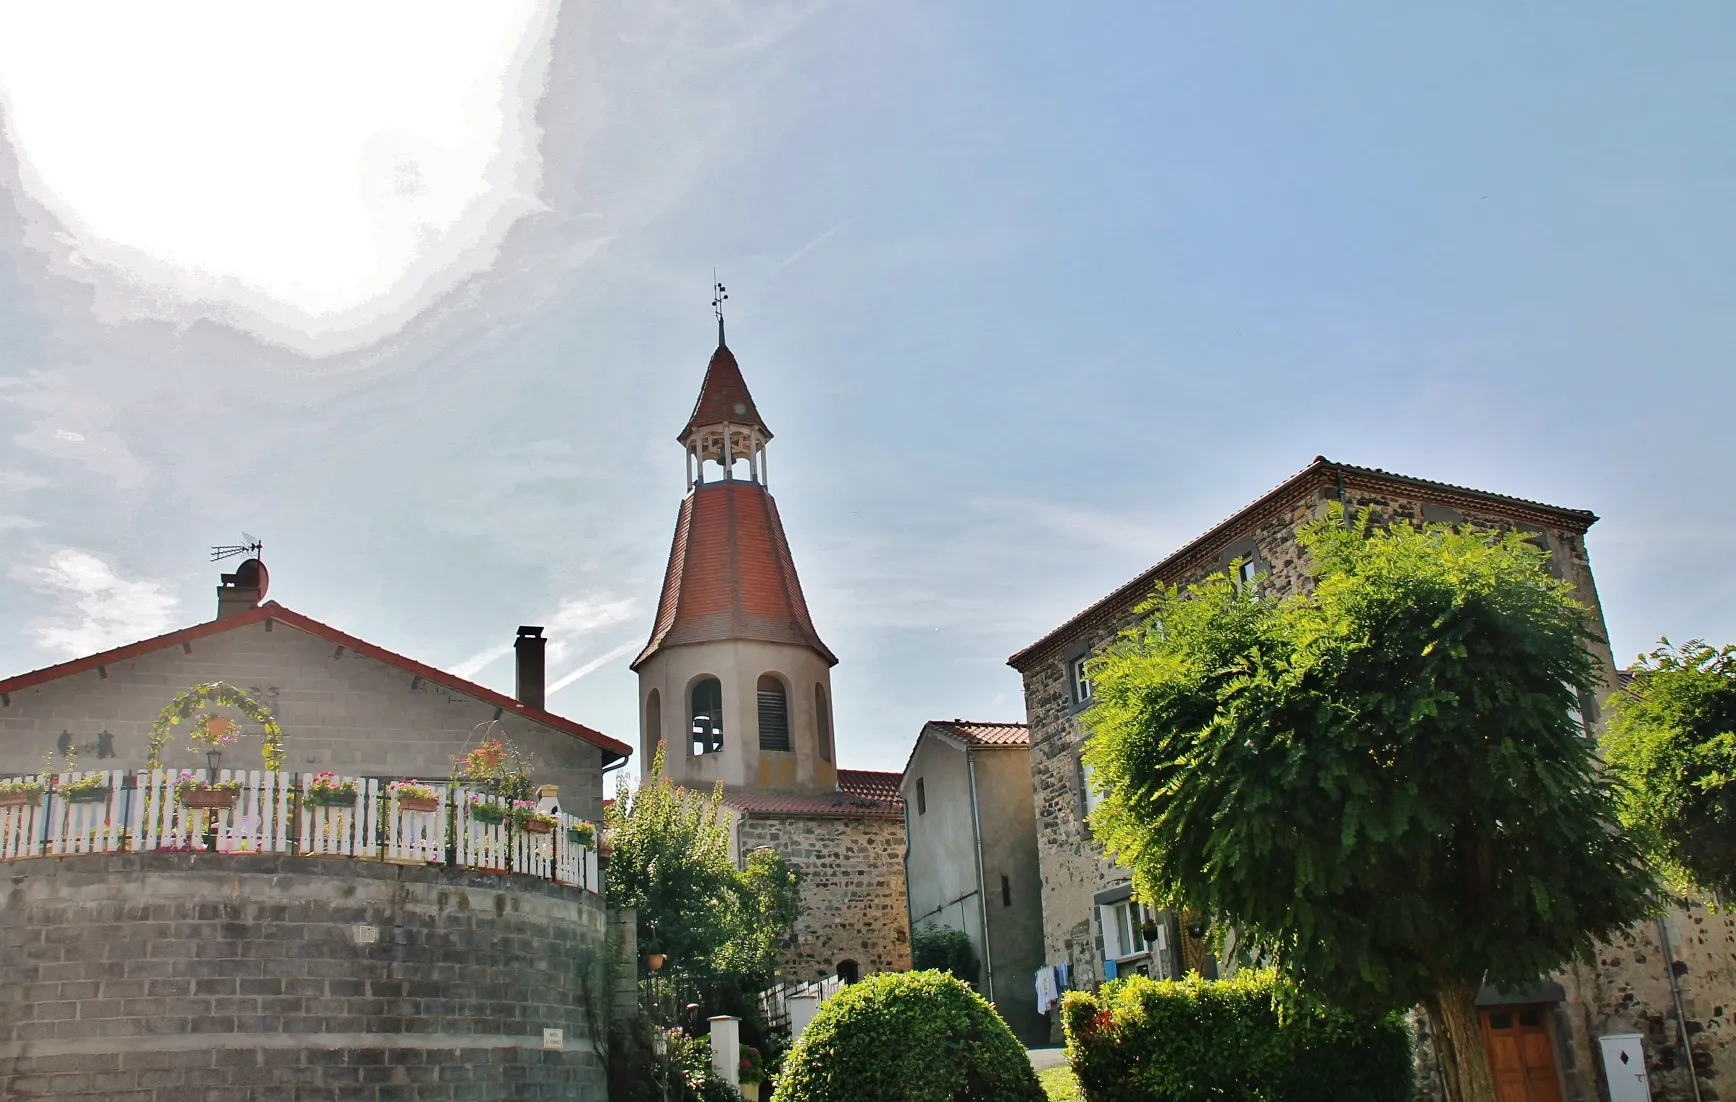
(734, 677)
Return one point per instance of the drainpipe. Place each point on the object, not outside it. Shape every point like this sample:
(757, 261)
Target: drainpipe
(976, 827)
(1676, 993)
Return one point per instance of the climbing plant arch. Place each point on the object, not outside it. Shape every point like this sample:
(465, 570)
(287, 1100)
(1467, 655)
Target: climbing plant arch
(190, 707)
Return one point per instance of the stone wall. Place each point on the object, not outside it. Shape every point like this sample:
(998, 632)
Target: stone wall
(853, 902)
(172, 977)
(340, 711)
(1073, 869)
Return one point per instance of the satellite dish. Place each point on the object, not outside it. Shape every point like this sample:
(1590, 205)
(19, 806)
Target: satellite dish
(253, 575)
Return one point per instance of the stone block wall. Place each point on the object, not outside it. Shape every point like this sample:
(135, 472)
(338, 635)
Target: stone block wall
(339, 710)
(162, 977)
(1073, 868)
(853, 901)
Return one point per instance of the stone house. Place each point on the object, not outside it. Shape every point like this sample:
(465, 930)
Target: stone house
(972, 857)
(737, 684)
(1091, 923)
(346, 705)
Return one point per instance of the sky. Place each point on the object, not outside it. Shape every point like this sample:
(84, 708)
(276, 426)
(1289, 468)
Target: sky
(1030, 294)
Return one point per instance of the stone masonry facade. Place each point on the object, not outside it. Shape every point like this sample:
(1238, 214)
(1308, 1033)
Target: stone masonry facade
(1073, 867)
(341, 711)
(175, 977)
(853, 901)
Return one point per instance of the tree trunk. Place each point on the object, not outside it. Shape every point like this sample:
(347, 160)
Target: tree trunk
(1452, 1014)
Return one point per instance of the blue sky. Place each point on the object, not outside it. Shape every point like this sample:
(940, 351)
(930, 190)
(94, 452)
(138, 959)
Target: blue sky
(1030, 294)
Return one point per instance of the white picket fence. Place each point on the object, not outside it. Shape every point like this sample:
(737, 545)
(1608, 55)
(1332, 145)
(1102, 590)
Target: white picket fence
(275, 813)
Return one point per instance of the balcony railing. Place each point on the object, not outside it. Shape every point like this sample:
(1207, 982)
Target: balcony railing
(279, 813)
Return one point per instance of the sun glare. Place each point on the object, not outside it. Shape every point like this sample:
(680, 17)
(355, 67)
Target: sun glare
(310, 156)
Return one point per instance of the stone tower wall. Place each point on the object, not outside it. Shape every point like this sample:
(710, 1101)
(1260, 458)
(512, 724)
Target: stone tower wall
(162, 977)
(853, 902)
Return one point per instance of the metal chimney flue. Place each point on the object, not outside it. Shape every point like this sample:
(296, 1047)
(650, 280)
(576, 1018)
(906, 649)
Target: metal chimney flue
(531, 647)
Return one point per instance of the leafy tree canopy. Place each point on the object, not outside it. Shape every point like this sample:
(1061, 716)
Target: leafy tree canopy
(944, 949)
(670, 861)
(1671, 739)
(1381, 781)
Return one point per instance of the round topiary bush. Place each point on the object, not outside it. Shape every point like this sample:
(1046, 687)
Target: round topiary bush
(908, 1037)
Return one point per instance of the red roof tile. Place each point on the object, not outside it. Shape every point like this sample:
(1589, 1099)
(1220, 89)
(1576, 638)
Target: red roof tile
(1318, 475)
(878, 798)
(731, 575)
(974, 733)
(723, 396)
(271, 610)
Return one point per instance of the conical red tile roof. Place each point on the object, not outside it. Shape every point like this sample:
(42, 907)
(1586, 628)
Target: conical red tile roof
(723, 396)
(730, 575)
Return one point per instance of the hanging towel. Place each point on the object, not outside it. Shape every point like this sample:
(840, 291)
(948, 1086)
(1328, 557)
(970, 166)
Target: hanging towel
(1063, 977)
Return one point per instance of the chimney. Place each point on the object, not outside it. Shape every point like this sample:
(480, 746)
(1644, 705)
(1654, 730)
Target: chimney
(242, 590)
(529, 648)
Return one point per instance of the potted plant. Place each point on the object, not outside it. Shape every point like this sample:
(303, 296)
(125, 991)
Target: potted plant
(20, 793)
(582, 834)
(414, 796)
(206, 795)
(89, 789)
(527, 818)
(753, 1073)
(485, 810)
(329, 791)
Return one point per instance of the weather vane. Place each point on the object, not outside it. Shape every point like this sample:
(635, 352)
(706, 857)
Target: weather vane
(249, 546)
(719, 296)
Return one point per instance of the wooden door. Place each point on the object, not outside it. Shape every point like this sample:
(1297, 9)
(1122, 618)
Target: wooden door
(1520, 1054)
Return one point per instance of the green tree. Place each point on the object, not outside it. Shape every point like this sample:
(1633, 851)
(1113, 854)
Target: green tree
(1671, 739)
(1380, 782)
(944, 949)
(670, 861)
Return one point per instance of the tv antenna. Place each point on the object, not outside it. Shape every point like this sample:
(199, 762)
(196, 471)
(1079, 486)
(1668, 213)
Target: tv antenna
(250, 545)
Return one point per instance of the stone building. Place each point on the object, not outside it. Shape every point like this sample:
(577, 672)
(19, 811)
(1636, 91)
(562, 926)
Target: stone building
(737, 684)
(972, 859)
(1091, 923)
(346, 705)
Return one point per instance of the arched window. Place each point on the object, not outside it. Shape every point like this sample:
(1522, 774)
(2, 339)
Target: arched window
(774, 714)
(653, 723)
(706, 714)
(823, 721)
(849, 971)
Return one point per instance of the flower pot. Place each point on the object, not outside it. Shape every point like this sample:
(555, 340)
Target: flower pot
(750, 1092)
(654, 961)
(87, 795)
(538, 826)
(418, 803)
(209, 799)
(19, 799)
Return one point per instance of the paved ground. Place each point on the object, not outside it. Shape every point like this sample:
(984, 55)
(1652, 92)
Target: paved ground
(1047, 1057)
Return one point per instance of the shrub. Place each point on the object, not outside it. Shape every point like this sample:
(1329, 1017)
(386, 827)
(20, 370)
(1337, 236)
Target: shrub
(1252, 1038)
(946, 949)
(908, 1037)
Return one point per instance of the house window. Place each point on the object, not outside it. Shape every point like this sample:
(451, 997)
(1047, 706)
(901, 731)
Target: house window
(823, 721)
(774, 714)
(1246, 572)
(1081, 679)
(1124, 928)
(706, 715)
(1006, 891)
(1093, 795)
(921, 798)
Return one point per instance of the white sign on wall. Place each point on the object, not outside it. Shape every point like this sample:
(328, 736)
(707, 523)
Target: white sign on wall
(554, 1039)
(1624, 1066)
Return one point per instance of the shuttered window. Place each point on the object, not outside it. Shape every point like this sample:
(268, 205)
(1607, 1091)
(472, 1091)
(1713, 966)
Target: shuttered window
(774, 715)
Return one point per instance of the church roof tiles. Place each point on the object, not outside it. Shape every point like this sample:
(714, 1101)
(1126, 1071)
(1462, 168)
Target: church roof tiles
(862, 793)
(723, 396)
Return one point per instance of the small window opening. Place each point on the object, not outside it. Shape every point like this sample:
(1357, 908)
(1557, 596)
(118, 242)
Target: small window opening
(1006, 891)
(774, 715)
(921, 798)
(707, 716)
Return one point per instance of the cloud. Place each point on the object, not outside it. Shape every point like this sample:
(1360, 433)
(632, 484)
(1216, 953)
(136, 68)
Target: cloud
(108, 611)
(575, 618)
(592, 666)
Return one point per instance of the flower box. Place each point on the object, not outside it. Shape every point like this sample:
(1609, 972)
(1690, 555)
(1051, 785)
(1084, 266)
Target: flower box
(85, 795)
(209, 799)
(418, 803)
(330, 798)
(582, 835)
(487, 813)
(539, 826)
(23, 797)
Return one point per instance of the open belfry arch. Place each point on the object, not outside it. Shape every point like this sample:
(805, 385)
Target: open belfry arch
(737, 683)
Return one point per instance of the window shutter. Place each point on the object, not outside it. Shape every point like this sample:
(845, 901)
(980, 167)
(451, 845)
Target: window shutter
(774, 715)
(1111, 940)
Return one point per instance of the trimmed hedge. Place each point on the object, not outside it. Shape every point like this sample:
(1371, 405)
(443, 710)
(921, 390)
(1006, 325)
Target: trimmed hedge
(1144, 1040)
(907, 1037)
